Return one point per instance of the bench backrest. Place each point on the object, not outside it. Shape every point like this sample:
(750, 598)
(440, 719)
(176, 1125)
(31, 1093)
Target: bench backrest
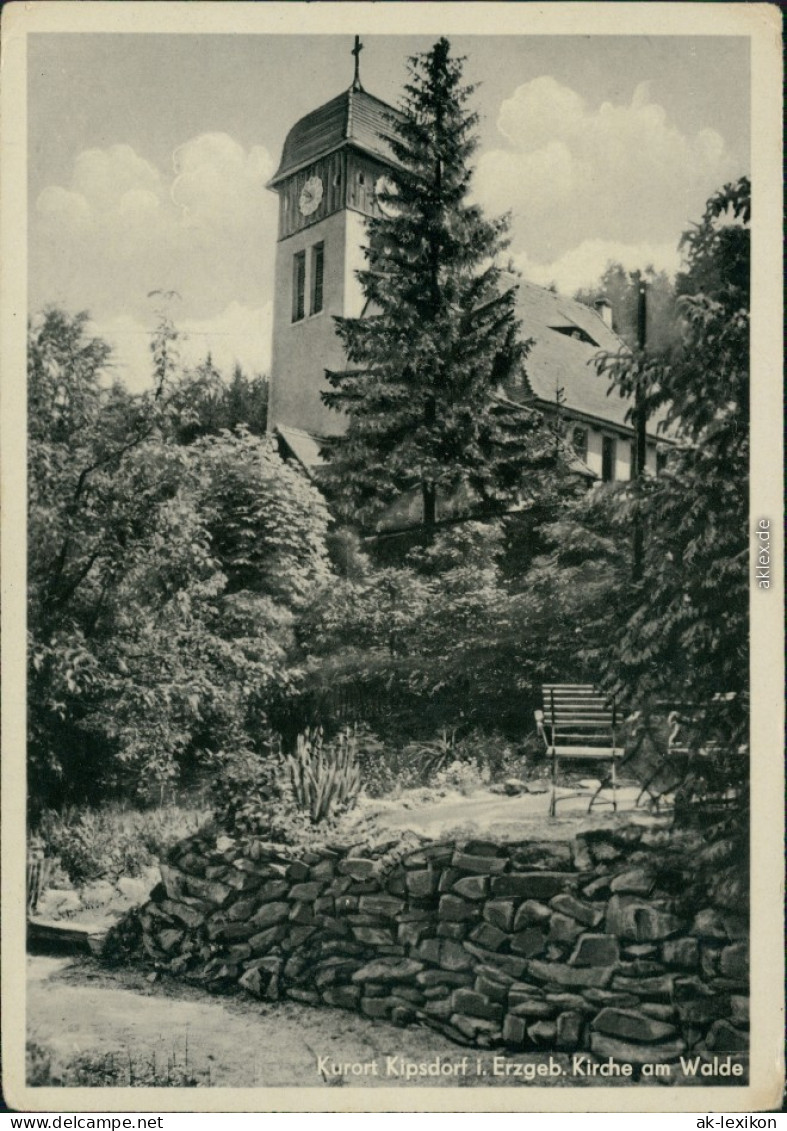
(578, 712)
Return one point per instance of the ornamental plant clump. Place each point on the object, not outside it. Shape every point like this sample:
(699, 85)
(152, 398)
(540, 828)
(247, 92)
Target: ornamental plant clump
(323, 779)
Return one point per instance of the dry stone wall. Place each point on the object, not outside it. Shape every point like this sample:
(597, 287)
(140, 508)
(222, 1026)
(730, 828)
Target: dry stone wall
(597, 944)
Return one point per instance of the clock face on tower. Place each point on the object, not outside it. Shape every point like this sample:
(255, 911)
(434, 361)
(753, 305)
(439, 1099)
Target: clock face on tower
(311, 195)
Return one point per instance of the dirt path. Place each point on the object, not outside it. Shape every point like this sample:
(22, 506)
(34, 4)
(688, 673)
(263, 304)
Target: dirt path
(75, 1006)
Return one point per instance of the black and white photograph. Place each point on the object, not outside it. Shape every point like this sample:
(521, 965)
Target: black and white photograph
(392, 557)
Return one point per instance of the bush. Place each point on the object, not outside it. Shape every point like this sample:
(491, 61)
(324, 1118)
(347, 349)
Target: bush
(466, 777)
(323, 780)
(106, 843)
(115, 1069)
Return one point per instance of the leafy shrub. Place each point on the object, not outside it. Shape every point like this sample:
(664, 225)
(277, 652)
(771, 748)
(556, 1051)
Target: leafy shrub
(245, 783)
(466, 777)
(323, 779)
(98, 844)
(115, 1069)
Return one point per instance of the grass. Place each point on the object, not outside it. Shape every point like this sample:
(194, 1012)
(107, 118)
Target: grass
(115, 1069)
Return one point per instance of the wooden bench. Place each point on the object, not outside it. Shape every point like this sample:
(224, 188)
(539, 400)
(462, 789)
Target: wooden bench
(579, 722)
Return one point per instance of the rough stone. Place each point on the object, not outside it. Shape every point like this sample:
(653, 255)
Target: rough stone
(264, 940)
(532, 885)
(358, 867)
(542, 1032)
(431, 978)
(455, 909)
(188, 915)
(169, 938)
(453, 956)
(403, 971)
(709, 924)
(377, 1006)
(473, 1026)
(563, 975)
(271, 890)
(659, 1011)
(631, 918)
(604, 1046)
(584, 913)
(500, 913)
(297, 937)
(308, 997)
(210, 890)
(302, 913)
(422, 883)
(701, 1010)
(530, 912)
(471, 887)
(487, 935)
(484, 848)
(297, 871)
(569, 1031)
(541, 855)
(683, 953)
(631, 1025)
(440, 1008)
(659, 987)
(253, 982)
(270, 913)
(739, 1009)
(472, 1004)
(346, 997)
(322, 870)
(429, 951)
(529, 943)
(456, 931)
(563, 929)
(410, 934)
(531, 1007)
(306, 892)
(635, 881)
(502, 963)
(513, 1030)
(386, 906)
(480, 865)
(374, 936)
(595, 950)
(734, 962)
(724, 1037)
(495, 991)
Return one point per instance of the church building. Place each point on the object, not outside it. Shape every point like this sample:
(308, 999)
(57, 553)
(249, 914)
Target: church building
(335, 163)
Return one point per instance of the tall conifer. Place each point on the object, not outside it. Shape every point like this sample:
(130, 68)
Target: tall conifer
(441, 337)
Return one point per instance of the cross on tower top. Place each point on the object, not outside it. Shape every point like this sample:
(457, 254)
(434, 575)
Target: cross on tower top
(356, 51)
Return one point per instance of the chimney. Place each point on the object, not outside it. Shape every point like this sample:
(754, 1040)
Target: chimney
(604, 311)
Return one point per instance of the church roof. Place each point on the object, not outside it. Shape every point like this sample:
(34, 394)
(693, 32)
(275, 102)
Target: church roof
(352, 118)
(567, 336)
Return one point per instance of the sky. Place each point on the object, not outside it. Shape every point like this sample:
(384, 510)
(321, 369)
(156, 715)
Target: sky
(148, 157)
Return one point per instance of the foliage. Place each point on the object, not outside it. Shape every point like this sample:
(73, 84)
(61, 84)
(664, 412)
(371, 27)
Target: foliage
(221, 406)
(163, 579)
(115, 1069)
(245, 781)
(114, 841)
(464, 777)
(620, 288)
(323, 779)
(420, 399)
(679, 636)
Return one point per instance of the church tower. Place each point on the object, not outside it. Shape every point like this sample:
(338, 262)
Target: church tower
(334, 163)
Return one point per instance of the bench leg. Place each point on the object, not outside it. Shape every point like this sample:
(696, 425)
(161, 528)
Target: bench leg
(553, 799)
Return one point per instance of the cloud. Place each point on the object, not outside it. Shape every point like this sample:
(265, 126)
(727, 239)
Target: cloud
(571, 174)
(582, 266)
(121, 228)
(238, 334)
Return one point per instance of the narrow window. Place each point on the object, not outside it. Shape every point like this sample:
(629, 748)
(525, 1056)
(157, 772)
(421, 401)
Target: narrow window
(661, 460)
(633, 459)
(579, 442)
(318, 266)
(298, 285)
(607, 458)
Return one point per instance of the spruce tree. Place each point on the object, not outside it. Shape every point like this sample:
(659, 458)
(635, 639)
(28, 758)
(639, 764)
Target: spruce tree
(425, 366)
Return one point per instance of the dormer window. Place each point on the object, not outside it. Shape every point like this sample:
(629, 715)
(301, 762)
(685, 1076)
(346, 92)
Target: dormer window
(570, 330)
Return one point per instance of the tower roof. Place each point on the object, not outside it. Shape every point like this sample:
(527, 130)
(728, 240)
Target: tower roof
(352, 118)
